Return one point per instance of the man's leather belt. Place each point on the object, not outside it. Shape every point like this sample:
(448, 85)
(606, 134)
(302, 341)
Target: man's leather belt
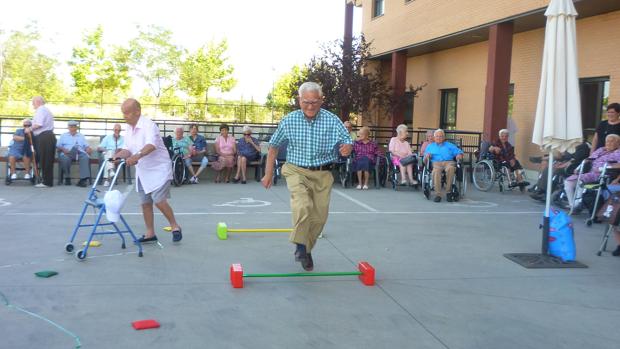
(325, 167)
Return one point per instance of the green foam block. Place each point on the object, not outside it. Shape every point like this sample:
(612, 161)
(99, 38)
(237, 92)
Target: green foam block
(45, 273)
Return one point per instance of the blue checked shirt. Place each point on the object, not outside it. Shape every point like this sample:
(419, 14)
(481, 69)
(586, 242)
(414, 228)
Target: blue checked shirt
(311, 142)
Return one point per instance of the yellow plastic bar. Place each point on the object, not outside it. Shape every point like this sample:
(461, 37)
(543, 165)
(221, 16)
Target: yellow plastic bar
(261, 230)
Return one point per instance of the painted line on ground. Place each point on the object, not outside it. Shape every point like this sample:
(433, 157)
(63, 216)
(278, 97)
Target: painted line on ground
(355, 201)
(281, 212)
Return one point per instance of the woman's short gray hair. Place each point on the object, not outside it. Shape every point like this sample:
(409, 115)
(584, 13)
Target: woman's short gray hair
(502, 131)
(310, 86)
(401, 128)
(439, 131)
(613, 136)
(247, 128)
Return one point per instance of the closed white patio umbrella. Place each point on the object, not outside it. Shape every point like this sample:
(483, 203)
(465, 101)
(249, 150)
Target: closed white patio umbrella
(558, 113)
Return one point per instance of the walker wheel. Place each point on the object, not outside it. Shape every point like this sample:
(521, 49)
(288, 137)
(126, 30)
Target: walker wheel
(589, 222)
(599, 253)
(69, 247)
(123, 246)
(80, 255)
(140, 254)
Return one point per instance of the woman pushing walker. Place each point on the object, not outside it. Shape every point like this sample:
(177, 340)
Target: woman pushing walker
(312, 134)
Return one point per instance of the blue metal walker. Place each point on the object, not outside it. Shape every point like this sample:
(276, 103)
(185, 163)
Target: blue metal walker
(99, 207)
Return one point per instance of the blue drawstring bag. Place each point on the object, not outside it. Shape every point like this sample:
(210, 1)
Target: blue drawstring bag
(561, 236)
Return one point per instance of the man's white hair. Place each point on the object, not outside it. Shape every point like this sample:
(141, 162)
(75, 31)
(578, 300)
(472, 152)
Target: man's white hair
(439, 131)
(179, 128)
(613, 136)
(502, 131)
(310, 86)
(401, 128)
(38, 99)
(247, 128)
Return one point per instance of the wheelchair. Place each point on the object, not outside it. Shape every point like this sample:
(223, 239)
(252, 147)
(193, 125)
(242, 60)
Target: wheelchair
(18, 168)
(489, 170)
(458, 187)
(344, 169)
(393, 171)
(179, 171)
(590, 194)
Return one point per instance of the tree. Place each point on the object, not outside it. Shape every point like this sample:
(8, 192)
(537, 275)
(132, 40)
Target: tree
(24, 71)
(205, 69)
(98, 72)
(155, 59)
(347, 83)
(285, 88)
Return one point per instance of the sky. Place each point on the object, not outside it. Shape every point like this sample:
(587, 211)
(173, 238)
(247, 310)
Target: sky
(265, 38)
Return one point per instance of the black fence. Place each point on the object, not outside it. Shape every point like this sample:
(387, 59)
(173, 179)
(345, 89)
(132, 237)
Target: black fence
(94, 128)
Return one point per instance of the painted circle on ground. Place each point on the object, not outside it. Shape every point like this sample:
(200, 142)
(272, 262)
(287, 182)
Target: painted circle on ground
(245, 202)
(474, 203)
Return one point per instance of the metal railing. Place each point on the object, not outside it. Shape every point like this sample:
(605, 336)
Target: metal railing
(94, 128)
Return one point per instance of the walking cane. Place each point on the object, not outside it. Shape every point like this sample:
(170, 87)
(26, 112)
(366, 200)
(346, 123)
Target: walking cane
(34, 159)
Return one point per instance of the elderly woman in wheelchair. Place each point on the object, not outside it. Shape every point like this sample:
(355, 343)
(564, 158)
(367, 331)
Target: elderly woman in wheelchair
(441, 158)
(600, 159)
(402, 158)
(505, 153)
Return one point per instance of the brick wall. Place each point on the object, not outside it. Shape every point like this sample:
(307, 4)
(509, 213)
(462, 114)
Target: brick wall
(417, 21)
(465, 68)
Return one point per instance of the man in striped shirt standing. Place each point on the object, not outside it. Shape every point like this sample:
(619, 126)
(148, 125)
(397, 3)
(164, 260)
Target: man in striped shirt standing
(312, 134)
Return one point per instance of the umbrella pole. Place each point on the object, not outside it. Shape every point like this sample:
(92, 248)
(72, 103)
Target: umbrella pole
(545, 235)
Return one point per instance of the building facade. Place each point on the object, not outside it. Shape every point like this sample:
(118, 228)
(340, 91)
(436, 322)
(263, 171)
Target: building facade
(480, 62)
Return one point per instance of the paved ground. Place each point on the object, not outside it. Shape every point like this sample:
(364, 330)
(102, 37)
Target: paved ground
(442, 279)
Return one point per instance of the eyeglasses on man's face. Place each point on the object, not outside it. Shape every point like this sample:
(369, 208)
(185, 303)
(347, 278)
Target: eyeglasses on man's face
(311, 103)
(247, 134)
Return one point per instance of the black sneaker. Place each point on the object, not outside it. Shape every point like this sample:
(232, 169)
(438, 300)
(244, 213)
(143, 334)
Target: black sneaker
(449, 198)
(616, 252)
(307, 263)
(67, 181)
(177, 235)
(82, 183)
(437, 198)
(145, 240)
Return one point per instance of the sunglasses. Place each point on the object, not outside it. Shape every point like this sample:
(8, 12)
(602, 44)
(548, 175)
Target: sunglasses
(247, 134)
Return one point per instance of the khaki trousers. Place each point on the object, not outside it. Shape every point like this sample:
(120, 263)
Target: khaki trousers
(310, 195)
(438, 167)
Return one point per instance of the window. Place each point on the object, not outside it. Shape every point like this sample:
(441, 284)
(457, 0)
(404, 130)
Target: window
(378, 7)
(409, 109)
(447, 119)
(594, 99)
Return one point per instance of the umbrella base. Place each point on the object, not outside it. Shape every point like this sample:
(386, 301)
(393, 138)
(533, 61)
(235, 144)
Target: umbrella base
(541, 261)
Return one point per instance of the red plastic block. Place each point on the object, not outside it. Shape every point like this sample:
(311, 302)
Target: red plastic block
(368, 273)
(145, 324)
(236, 275)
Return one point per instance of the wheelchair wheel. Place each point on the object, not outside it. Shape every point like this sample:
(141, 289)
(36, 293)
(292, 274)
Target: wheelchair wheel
(483, 175)
(178, 171)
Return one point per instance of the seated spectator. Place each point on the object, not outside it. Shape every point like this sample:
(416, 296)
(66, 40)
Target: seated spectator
(347, 124)
(248, 150)
(610, 152)
(563, 165)
(442, 155)
(366, 152)
(198, 150)
(400, 149)
(429, 140)
(108, 147)
(183, 143)
(226, 148)
(73, 146)
(504, 152)
(20, 150)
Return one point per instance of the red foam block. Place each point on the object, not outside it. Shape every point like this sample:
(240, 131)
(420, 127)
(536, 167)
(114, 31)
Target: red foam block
(368, 273)
(145, 324)
(236, 275)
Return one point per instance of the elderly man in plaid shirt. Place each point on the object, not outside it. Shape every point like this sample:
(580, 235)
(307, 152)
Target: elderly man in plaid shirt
(312, 134)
